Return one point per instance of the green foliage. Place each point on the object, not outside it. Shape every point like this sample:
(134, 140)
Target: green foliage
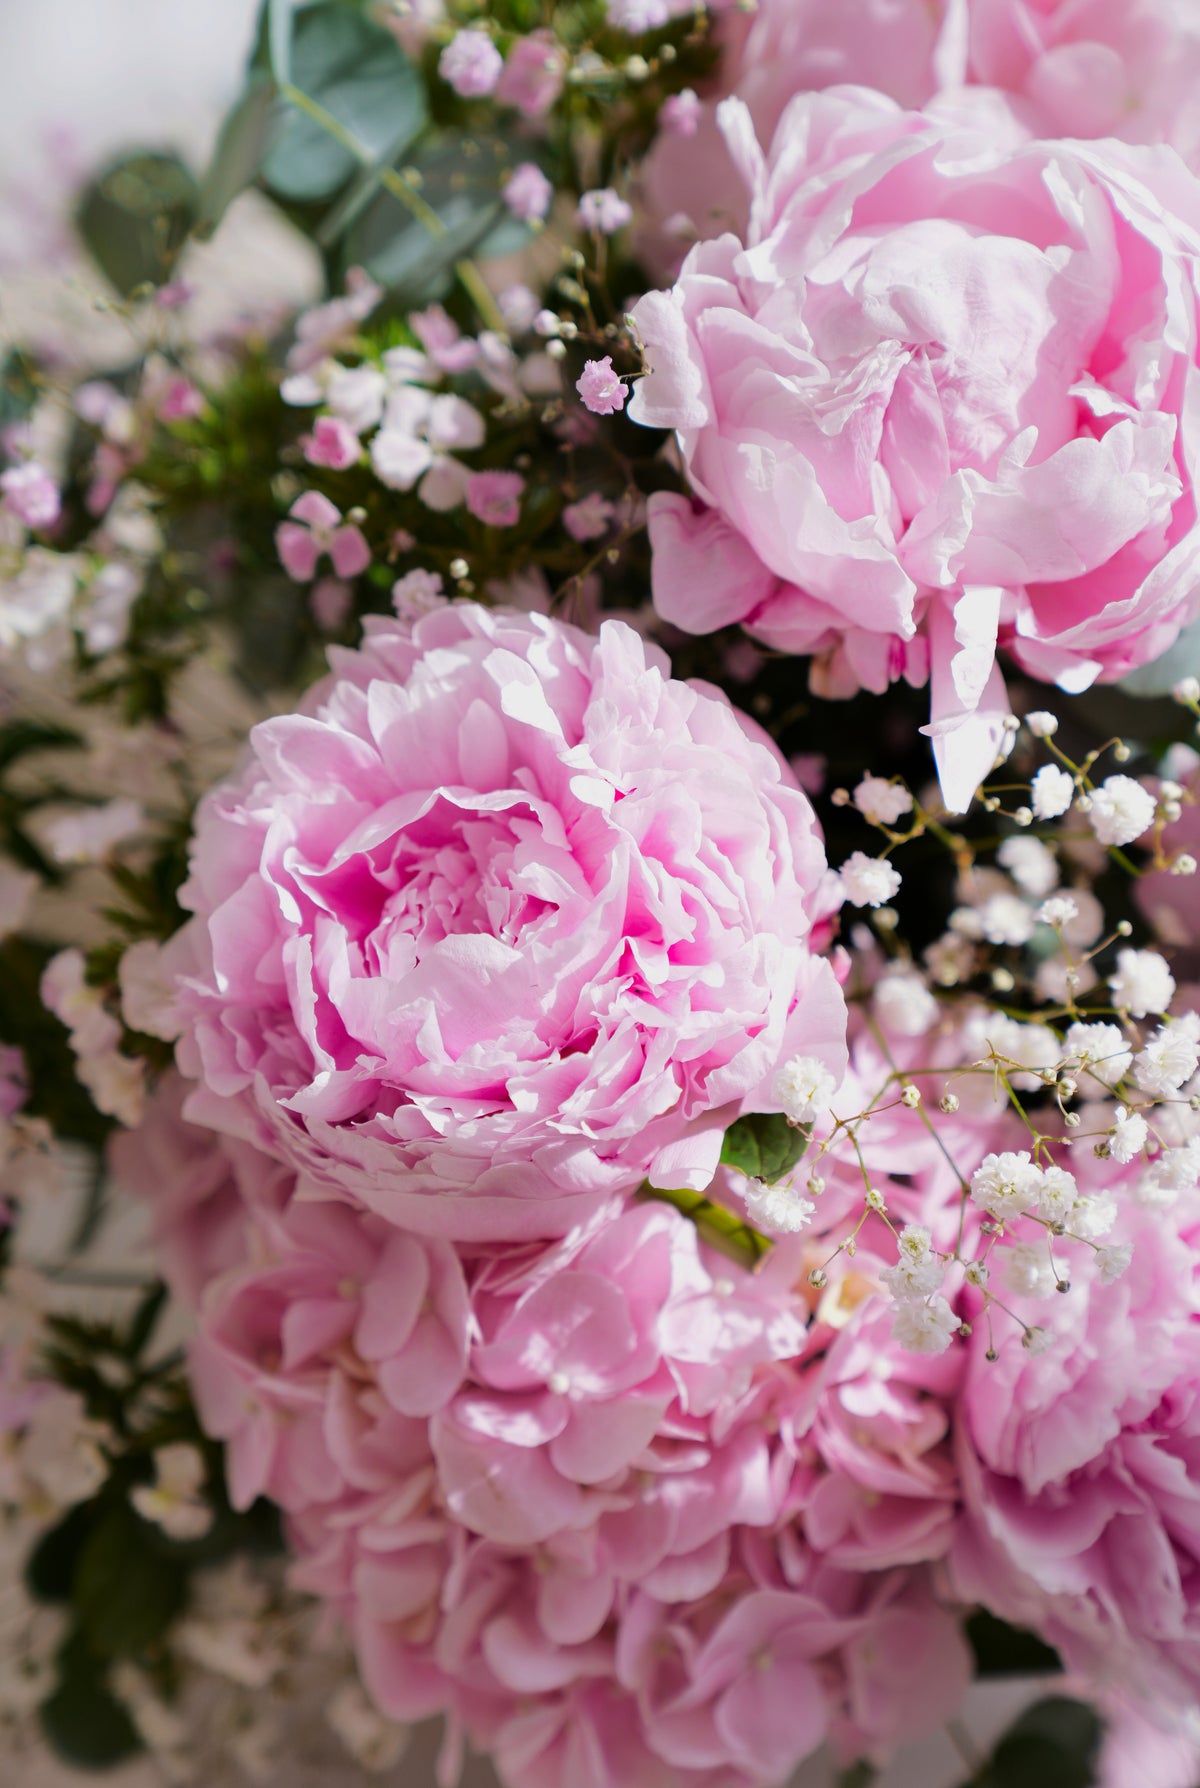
(1001, 1650)
(718, 1225)
(126, 1590)
(1054, 1744)
(241, 149)
(764, 1146)
(82, 1719)
(135, 216)
(19, 387)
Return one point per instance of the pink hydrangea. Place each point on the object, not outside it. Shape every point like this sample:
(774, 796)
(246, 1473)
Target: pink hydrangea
(495, 498)
(506, 921)
(918, 414)
(528, 193)
(1079, 1467)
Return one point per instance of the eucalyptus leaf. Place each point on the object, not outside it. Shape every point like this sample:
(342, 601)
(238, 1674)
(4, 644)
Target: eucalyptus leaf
(355, 72)
(241, 149)
(1054, 1744)
(135, 216)
(763, 1146)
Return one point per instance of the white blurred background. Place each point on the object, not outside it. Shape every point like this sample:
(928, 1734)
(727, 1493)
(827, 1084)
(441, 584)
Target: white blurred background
(81, 80)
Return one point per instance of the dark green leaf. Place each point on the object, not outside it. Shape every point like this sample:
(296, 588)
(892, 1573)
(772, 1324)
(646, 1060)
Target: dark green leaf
(127, 1592)
(135, 217)
(763, 1146)
(239, 154)
(1001, 1650)
(82, 1719)
(144, 1319)
(279, 37)
(19, 737)
(18, 387)
(50, 1567)
(1053, 1745)
(355, 71)
(859, 1775)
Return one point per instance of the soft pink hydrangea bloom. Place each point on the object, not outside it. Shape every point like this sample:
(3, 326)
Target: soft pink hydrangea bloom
(505, 922)
(495, 498)
(471, 64)
(528, 193)
(1079, 1468)
(316, 528)
(922, 410)
(332, 443)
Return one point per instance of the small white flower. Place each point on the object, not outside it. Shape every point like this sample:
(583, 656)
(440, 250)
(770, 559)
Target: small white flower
(1142, 984)
(802, 1089)
(1037, 1340)
(1051, 792)
(883, 803)
(1168, 1061)
(1100, 1050)
(1057, 1194)
(1184, 864)
(868, 881)
(1006, 1185)
(1187, 690)
(924, 1328)
(1093, 1217)
(1041, 724)
(1029, 1270)
(904, 1005)
(777, 1210)
(1129, 1137)
(89, 835)
(1121, 810)
(1006, 919)
(1059, 910)
(174, 1501)
(1031, 864)
(1114, 1261)
(918, 1272)
(1178, 1170)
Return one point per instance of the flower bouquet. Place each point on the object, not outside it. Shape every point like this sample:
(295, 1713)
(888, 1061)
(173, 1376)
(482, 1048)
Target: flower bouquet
(600, 1014)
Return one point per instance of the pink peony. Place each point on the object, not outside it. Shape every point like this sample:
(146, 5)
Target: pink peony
(1079, 1467)
(505, 922)
(921, 413)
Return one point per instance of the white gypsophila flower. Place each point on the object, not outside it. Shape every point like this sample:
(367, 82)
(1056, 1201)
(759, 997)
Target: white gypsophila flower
(1087, 923)
(374, 1741)
(1006, 919)
(1098, 1049)
(1059, 910)
(1051, 792)
(1154, 1191)
(1113, 1261)
(1042, 724)
(1056, 1194)
(778, 1210)
(924, 1328)
(1092, 1218)
(148, 993)
(1179, 1169)
(1185, 864)
(1029, 1270)
(882, 802)
(1142, 984)
(1121, 810)
(1032, 865)
(1186, 690)
(90, 834)
(950, 959)
(1056, 980)
(868, 881)
(918, 1272)
(802, 1089)
(1006, 1185)
(1129, 1136)
(904, 1005)
(175, 1501)
(1037, 1340)
(1168, 1060)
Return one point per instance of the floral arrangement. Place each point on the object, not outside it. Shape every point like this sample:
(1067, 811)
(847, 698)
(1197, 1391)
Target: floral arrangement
(600, 1010)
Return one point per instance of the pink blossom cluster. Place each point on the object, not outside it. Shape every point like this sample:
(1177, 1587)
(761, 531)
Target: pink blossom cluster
(934, 405)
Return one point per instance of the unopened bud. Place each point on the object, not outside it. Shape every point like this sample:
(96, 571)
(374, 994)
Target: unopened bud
(818, 1279)
(948, 1102)
(911, 1096)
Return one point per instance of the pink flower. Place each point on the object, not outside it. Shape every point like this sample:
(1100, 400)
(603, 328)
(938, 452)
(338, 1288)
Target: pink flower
(1078, 1467)
(600, 388)
(471, 64)
(316, 530)
(533, 74)
(332, 443)
(495, 498)
(681, 113)
(604, 211)
(443, 340)
(328, 327)
(31, 495)
(528, 193)
(955, 453)
(506, 921)
(589, 518)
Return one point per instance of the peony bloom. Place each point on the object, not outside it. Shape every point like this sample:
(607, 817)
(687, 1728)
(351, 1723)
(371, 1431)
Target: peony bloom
(507, 921)
(921, 418)
(1079, 1468)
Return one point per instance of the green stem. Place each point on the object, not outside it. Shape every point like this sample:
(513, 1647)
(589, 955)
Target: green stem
(469, 276)
(718, 1226)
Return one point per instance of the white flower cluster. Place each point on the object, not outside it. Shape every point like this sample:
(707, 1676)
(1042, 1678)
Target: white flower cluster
(115, 1081)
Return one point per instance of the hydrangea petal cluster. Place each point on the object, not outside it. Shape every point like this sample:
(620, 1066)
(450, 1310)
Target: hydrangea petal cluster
(920, 417)
(508, 921)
